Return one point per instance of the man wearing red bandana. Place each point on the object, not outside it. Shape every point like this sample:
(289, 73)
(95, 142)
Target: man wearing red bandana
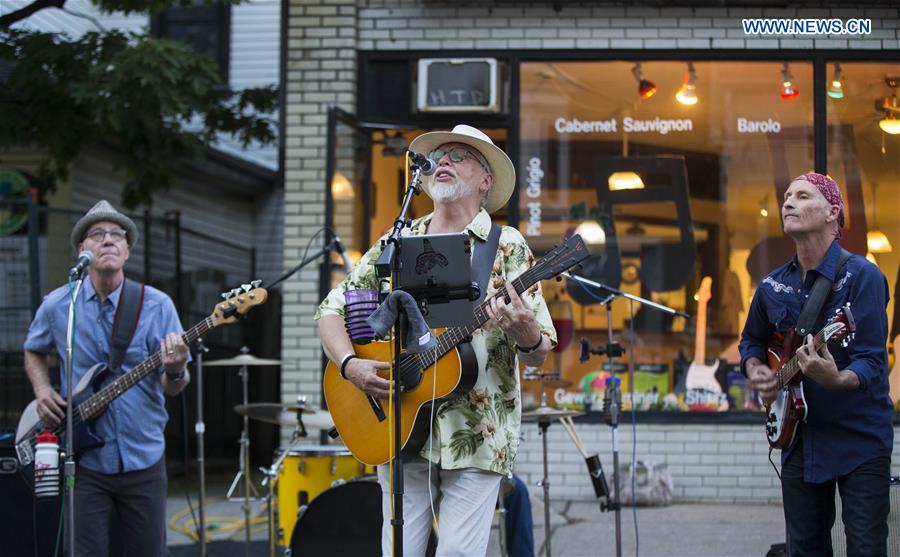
(847, 438)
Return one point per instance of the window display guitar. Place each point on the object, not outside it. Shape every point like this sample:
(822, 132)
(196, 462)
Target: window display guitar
(789, 407)
(94, 392)
(700, 375)
(429, 377)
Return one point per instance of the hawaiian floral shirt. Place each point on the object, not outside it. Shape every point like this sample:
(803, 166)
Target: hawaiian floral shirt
(480, 429)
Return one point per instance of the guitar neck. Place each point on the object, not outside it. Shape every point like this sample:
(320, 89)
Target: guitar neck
(101, 399)
(700, 335)
(792, 367)
(454, 335)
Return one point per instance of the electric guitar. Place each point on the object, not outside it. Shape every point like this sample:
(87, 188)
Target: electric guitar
(429, 377)
(700, 375)
(94, 393)
(789, 407)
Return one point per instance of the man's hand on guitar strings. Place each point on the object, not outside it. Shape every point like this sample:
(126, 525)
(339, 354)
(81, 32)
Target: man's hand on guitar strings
(762, 379)
(364, 374)
(514, 317)
(820, 367)
(51, 406)
(174, 353)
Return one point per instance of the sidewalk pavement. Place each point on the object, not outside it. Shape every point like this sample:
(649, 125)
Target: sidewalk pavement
(579, 528)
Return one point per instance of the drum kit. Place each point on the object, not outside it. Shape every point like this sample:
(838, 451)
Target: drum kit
(321, 487)
(301, 474)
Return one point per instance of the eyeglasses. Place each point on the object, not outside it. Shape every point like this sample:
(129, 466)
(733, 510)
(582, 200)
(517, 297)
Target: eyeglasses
(457, 154)
(99, 234)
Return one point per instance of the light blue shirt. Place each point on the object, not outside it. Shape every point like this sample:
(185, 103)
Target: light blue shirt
(133, 426)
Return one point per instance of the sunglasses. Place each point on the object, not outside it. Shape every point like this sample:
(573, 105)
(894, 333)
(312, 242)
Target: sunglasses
(457, 154)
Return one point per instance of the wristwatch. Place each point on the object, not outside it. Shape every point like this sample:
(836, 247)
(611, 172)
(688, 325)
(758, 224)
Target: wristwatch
(175, 377)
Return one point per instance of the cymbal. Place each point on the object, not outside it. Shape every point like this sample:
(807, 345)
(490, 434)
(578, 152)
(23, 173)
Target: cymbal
(546, 413)
(242, 360)
(286, 414)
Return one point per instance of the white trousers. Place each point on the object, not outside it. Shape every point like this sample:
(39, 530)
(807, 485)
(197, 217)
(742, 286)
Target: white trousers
(464, 501)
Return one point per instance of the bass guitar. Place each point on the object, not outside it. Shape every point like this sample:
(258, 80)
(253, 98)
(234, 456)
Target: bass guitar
(429, 377)
(789, 407)
(95, 391)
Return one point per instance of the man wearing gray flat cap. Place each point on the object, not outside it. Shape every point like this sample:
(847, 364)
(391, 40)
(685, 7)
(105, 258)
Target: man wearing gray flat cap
(127, 472)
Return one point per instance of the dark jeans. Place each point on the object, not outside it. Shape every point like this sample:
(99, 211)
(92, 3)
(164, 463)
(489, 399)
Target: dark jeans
(809, 508)
(519, 527)
(139, 500)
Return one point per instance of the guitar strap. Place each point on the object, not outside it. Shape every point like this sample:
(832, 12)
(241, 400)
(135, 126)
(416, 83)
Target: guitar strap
(483, 260)
(820, 290)
(131, 300)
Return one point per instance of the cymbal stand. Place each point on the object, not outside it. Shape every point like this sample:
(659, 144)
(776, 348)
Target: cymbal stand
(200, 430)
(244, 464)
(543, 424)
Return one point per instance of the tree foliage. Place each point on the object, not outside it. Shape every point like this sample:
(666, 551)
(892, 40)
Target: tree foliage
(159, 102)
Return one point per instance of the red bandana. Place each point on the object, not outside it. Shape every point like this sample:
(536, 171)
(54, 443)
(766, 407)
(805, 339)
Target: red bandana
(829, 189)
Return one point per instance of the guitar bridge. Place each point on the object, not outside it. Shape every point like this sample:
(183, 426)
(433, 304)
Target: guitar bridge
(379, 413)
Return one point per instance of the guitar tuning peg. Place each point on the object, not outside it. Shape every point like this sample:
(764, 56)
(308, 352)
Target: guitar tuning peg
(246, 287)
(236, 292)
(255, 283)
(225, 295)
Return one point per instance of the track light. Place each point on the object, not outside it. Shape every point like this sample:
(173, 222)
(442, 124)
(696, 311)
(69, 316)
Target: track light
(687, 94)
(788, 90)
(836, 90)
(646, 89)
(890, 123)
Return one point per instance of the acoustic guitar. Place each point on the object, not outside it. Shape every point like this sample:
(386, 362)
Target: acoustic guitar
(94, 393)
(447, 370)
(789, 407)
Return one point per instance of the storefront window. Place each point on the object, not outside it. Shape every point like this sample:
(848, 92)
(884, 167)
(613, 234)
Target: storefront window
(682, 166)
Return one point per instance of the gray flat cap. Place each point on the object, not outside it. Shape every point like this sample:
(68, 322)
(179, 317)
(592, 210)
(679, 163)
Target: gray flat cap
(100, 212)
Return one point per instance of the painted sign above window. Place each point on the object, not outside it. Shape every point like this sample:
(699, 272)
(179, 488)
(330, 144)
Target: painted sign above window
(458, 85)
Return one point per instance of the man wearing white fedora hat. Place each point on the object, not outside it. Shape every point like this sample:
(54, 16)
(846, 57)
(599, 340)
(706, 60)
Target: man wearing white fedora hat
(126, 474)
(474, 437)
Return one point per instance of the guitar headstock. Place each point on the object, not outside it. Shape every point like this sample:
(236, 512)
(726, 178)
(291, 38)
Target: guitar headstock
(238, 303)
(561, 258)
(840, 327)
(704, 293)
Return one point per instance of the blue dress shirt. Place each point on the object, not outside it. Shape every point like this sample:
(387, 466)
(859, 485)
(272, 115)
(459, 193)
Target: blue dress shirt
(844, 428)
(133, 425)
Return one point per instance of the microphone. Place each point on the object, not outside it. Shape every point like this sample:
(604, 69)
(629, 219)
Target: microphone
(341, 249)
(84, 259)
(427, 165)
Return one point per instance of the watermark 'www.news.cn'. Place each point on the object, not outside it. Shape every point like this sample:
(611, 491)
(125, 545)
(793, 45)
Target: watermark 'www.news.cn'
(809, 26)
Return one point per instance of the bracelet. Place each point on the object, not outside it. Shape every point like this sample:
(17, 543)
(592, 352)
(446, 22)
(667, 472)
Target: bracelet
(175, 377)
(533, 348)
(346, 359)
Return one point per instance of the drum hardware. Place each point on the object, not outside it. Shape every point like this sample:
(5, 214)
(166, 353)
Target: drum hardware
(244, 360)
(544, 415)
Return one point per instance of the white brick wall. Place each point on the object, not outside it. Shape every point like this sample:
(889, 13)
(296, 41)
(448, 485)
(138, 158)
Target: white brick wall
(708, 462)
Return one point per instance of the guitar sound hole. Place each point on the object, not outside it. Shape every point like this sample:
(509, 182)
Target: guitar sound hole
(410, 372)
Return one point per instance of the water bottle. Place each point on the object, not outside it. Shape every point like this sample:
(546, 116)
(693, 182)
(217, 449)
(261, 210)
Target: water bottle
(46, 465)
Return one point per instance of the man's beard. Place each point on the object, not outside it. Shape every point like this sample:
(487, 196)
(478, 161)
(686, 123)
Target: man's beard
(444, 192)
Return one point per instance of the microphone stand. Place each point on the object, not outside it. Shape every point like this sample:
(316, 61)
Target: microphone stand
(389, 264)
(324, 250)
(613, 396)
(70, 456)
(200, 430)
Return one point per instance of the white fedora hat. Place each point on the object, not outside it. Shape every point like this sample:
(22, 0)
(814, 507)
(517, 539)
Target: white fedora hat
(501, 167)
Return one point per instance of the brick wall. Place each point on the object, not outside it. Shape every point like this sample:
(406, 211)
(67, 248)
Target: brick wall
(708, 462)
